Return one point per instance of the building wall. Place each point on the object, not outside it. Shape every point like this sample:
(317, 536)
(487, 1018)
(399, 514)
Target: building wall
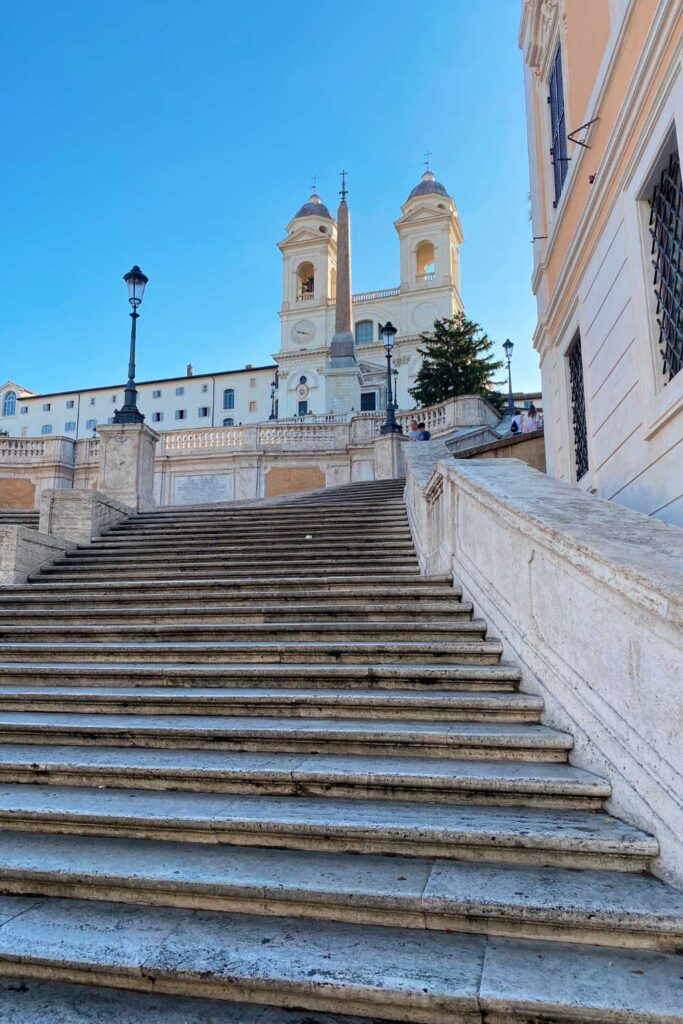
(252, 404)
(621, 63)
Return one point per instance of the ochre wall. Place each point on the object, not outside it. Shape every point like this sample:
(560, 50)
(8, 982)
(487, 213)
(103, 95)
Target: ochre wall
(292, 479)
(17, 493)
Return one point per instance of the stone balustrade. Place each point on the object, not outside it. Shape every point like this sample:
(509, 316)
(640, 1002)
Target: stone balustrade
(383, 293)
(21, 450)
(587, 597)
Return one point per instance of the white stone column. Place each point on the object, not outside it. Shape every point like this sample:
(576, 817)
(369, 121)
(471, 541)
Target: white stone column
(126, 467)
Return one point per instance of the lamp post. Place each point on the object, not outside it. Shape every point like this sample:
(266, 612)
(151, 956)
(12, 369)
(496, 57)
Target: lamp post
(273, 389)
(507, 349)
(390, 426)
(129, 412)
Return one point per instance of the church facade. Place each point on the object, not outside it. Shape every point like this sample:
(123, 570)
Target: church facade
(302, 380)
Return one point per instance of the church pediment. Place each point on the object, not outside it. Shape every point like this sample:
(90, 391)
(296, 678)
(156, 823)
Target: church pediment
(421, 214)
(304, 236)
(371, 373)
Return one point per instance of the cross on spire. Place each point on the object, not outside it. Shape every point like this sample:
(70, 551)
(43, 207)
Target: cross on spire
(427, 156)
(314, 183)
(343, 192)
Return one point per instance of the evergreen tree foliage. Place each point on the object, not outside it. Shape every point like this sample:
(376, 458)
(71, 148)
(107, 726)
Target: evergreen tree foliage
(456, 360)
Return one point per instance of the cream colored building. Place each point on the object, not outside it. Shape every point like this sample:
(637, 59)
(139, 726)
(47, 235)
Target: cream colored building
(430, 236)
(604, 95)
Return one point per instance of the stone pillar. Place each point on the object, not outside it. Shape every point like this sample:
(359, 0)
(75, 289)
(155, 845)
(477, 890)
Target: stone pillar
(389, 457)
(79, 516)
(126, 466)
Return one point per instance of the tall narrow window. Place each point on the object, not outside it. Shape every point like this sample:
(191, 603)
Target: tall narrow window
(228, 399)
(9, 403)
(666, 230)
(364, 332)
(578, 403)
(558, 126)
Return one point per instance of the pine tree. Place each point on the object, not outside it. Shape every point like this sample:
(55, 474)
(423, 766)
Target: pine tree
(456, 361)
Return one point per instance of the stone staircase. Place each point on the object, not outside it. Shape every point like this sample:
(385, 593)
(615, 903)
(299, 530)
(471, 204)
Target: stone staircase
(255, 769)
(19, 517)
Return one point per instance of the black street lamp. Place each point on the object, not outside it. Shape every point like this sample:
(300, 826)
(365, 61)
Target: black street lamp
(129, 412)
(273, 389)
(390, 426)
(507, 349)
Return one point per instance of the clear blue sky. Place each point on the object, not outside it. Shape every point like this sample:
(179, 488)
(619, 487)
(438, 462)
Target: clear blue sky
(183, 137)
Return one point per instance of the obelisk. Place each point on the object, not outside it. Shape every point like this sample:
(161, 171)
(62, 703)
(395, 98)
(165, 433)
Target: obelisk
(342, 375)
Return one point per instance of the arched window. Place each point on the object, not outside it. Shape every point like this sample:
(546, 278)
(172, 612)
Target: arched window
(364, 332)
(9, 403)
(229, 399)
(425, 266)
(228, 422)
(305, 281)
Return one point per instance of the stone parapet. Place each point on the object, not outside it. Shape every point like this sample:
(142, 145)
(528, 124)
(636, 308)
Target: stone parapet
(24, 551)
(80, 516)
(588, 597)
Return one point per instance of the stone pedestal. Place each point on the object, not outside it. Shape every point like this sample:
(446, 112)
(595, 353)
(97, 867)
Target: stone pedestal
(126, 466)
(342, 387)
(79, 516)
(389, 458)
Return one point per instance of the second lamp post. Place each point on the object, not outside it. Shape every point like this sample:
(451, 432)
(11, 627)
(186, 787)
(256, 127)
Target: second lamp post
(507, 349)
(390, 426)
(129, 412)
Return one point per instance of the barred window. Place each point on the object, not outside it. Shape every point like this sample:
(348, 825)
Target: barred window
(666, 231)
(578, 404)
(558, 126)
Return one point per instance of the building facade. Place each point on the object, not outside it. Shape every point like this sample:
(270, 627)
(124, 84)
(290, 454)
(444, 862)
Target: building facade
(297, 383)
(604, 96)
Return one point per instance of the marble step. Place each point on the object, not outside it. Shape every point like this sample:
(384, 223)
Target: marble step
(428, 780)
(470, 677)
(382, 517)
(335, 630)
(27, 1000)
(541, 836)
(293, 534)
(370, 510)
(599, 907)
(508, 741)
(320, 652)
(299, 609)
(351, 586)
(421, 976)
(228, 570)
(265, 550)
(440, 705)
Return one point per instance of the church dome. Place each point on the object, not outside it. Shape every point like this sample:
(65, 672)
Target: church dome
(429, 186)
(314, 208)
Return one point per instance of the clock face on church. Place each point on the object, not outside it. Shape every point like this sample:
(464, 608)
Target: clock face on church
(303, 332)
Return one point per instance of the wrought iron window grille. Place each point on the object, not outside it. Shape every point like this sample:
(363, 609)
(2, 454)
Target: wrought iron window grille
(578, 404)
(666, 231)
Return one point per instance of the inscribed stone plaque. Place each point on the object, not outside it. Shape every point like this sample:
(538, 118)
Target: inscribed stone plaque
(200, 490)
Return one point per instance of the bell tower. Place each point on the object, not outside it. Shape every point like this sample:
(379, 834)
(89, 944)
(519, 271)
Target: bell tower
(309, 259)
(430, 236)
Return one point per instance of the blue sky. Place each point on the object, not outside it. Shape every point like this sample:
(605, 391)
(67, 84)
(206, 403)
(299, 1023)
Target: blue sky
(183, 137)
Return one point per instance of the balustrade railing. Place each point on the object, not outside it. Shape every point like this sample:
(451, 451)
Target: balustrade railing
(383, 293)
(429, 276)
(305, 297)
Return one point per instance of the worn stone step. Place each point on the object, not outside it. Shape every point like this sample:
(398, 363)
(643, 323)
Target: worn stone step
(292, 609)
(224, 585)
(336, 630)
(605, 907)
(439, 705)
(425, 977)
(33, 1001)
(228, 570)
(372, 519)
(428, 780)
(219, 553)
(470, 677)
(320, 652)
(291, 535)
(465, 831)
(506, 741)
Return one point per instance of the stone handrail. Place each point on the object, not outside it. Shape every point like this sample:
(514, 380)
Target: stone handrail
(204, 439)
(587, 597)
